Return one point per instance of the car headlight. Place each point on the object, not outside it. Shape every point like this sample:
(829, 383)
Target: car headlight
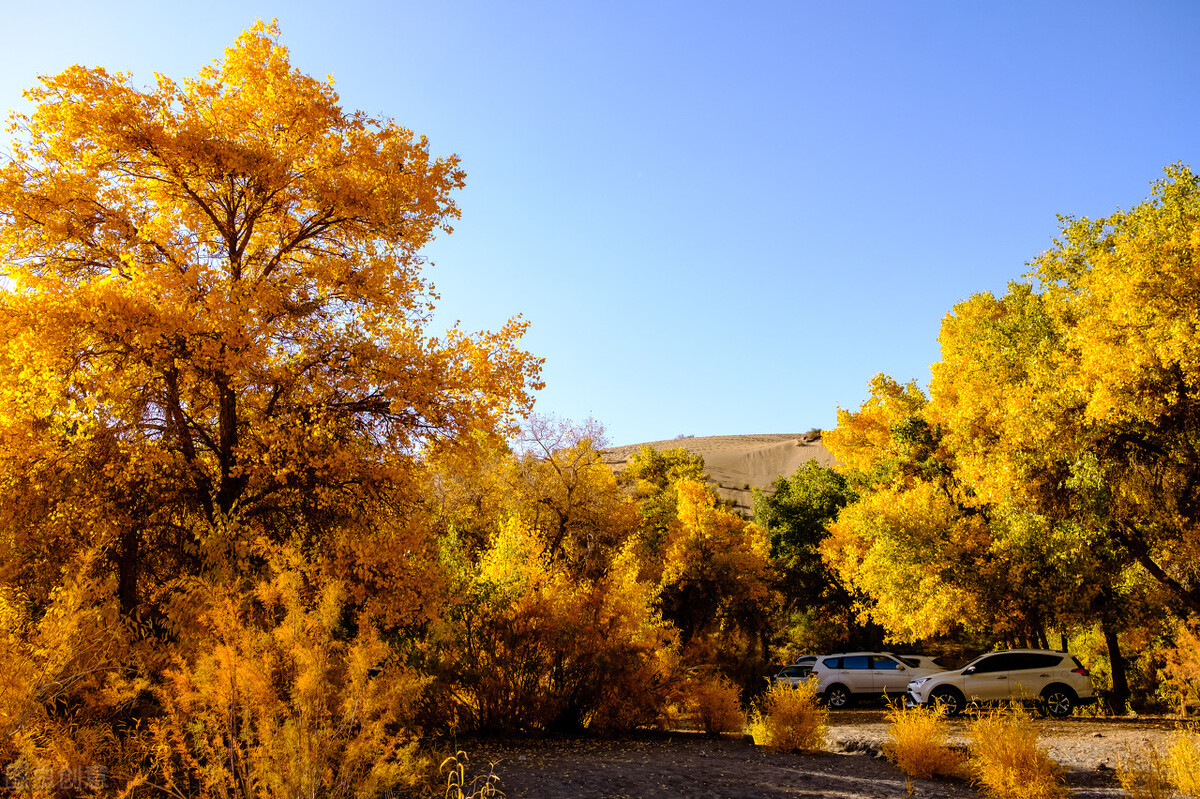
(921, 681)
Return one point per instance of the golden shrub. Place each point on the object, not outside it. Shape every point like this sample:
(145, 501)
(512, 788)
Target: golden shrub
(1183, 762)
(1006, 761)
(917, 744)
(1144, 775)
(277, 700)
(717, 703)
(790, 719)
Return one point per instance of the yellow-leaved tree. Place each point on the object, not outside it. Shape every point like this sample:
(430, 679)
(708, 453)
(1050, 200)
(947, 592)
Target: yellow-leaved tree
(213, 350)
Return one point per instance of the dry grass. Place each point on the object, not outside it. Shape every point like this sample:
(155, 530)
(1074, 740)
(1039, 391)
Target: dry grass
(1183, 762)
(917, 744)
(460, 786)
(1006, 761)
(790, 719)
(718, 705)
(1144, 775)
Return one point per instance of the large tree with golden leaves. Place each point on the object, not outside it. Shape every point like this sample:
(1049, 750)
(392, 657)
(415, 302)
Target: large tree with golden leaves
(213, 333)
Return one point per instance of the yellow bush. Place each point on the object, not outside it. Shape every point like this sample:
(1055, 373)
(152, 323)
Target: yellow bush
(1144, 776)
(917, 744)
(1183, 762)
(790, 719)
(1180, 675)
(277, 700)
(1007, 762)
(718, 704)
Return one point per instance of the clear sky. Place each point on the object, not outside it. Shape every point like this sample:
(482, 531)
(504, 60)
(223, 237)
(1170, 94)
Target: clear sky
(720, 218)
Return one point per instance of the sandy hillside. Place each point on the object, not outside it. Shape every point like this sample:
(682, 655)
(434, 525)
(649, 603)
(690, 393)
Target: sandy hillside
(735, 462)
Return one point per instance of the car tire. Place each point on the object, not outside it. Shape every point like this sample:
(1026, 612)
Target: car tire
(1058, 701)
(947, 701)
(837, 696)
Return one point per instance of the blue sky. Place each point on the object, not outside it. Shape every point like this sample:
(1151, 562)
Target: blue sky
(719, 219)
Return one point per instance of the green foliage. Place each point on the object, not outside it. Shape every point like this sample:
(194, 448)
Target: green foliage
(796, 515)
(653, 475)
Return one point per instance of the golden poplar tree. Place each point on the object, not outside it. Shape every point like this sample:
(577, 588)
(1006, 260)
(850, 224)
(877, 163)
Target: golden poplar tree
(215, 323)
(216, 388)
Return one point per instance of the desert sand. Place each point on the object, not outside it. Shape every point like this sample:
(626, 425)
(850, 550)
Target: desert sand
(737, 464)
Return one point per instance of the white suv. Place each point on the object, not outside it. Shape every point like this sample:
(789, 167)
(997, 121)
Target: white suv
(844, 677)
(1056, 681)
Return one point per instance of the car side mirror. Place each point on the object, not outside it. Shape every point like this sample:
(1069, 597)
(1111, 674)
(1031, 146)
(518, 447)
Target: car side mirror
(968, 670)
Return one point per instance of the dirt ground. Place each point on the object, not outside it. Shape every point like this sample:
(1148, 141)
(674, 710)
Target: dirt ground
(694, 765)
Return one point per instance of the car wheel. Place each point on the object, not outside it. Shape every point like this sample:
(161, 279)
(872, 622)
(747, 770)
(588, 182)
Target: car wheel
(948, 701)
(1058, 700)
(837, 696)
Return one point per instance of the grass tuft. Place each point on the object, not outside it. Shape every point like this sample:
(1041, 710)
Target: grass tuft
(1144, 775)
(718, 705)
(1006, 761)
(459, 786)
(789, 719)
(917, 744)
(1183, 762)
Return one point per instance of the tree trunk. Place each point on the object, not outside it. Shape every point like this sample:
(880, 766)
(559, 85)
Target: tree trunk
(129, 567)
(1120, 682)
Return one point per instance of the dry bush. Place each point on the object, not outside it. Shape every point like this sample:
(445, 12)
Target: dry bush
(1006, 761)
(918, 744)
(525, 645)
(1180, 675)
(717, 703)
(277, 700)
(789, 719)
(1144, 775)
(1183, 762)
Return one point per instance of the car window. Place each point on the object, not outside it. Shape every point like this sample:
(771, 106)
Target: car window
(881, 663)
(910, 661)
(1044, 661)
(832, 663)
(999, 662)
(855, 662)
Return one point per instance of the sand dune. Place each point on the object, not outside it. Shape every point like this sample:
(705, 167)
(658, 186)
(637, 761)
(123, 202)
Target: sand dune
(737, 464)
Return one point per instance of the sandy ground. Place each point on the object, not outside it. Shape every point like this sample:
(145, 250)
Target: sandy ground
(735, 462)
(693, 765)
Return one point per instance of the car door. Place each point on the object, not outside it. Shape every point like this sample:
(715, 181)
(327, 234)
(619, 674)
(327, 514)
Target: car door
(1030, 673)
(856, 674)
(986, 680)
(889, 676)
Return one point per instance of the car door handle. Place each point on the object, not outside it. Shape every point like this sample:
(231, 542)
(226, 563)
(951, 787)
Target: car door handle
(1002, 678)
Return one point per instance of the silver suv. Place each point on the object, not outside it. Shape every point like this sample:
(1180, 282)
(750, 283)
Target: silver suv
(844, 677)
(1055, 681)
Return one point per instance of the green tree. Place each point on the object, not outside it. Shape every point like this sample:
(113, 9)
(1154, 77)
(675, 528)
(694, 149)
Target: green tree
(796, 516)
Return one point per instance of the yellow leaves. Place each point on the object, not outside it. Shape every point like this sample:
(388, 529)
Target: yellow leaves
(899, 548)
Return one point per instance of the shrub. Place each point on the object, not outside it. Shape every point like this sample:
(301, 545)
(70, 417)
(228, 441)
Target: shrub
(717, 703)
(1183, 762)
(917, 744)
(790, 719)
(1180, 675)
(1145, 776)
(279, 699)
(1007, 762)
